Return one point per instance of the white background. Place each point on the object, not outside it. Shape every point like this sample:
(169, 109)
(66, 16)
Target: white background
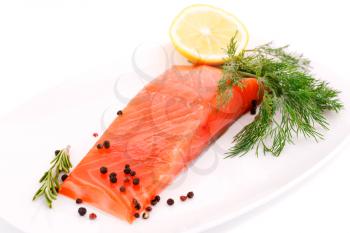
(45, 43)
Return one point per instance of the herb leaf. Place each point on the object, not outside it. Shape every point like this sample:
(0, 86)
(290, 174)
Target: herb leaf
(293, 103)
(49, 181)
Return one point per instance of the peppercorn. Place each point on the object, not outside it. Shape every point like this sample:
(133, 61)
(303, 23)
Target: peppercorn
(99, 146)
(64, 177)
(137, 206)
(106, 144)
(57, 152)
(132, 173)
(127, 166)
(78, 201)
(148, 208)
(154, 202)
(122, 189)
(126, 180)
(82, 211)
(183, 198)
(145, 215)
(127, 170)
(92, 216)
(120, 112)
(136, 181)
(190, 194)
(103, 170)
(170, 201)
(95, 135)
(136, 215)
(113, 177)
(157, 198)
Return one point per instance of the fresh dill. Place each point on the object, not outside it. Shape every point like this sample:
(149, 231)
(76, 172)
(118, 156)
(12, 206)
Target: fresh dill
(293, 102)
(49, 181)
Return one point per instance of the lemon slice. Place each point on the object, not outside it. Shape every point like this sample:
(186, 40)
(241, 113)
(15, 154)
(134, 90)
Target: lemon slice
(202, 33)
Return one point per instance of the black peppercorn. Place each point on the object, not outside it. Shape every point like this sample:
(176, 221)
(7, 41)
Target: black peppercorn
(254, 103)
(190, 194)
(170, 201)
(82, 211)
(253, 111)
(120, 112)
(57, 152)
(122, 189)
(103, 170)
(127, 170)
(113, 177)
(106, 144)
(64, 177)
(148, 208)
(99, 146)
(157, 198)
(132, 173)
(127, 166)
(136, 181)
(137, 206)
(154, 202)
(78, 201)
(136, 215)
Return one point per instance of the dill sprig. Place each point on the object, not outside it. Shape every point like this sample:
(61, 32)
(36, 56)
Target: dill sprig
(293, 102)
(49, 181)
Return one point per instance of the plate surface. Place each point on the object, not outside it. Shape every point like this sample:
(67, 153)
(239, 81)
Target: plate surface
(72, 112)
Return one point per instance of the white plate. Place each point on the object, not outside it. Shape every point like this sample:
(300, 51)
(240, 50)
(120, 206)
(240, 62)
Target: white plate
(224, 188)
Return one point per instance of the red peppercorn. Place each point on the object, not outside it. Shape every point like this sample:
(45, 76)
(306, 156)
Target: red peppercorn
(183, 198)
(92, 216)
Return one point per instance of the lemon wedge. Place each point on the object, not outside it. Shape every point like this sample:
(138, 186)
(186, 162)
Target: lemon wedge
(202, 33)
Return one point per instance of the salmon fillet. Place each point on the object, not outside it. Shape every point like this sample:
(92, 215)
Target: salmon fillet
(163, 128)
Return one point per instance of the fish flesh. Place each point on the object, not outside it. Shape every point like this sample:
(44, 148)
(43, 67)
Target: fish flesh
(161, 131)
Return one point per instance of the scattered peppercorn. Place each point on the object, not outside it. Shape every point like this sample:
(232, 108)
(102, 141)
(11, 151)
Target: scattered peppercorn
(95, 135)
(106, 144)
(132, 173)
(122, 189)
(154, 202)
(136, 215)
(157, 198)
(137, 206)
(190, 194)
(113, 177)
(99, 146)
(92, 216)
(145, 215)
(78, 201)
(127, 170)
(103, 170)
(136, 181)
(183, 198)
(64, 177)
(57, 152)
(120, 112)
(127, 166)
(82, 211)
(170, 201)
(148, 208)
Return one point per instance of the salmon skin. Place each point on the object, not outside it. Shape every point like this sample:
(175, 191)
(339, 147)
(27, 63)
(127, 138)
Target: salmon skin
(163, 128)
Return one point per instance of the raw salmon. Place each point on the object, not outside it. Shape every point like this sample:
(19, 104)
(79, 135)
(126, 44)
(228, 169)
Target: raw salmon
(162, 129)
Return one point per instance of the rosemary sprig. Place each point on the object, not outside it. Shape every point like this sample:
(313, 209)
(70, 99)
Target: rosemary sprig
(293, 103)
(49, 181)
